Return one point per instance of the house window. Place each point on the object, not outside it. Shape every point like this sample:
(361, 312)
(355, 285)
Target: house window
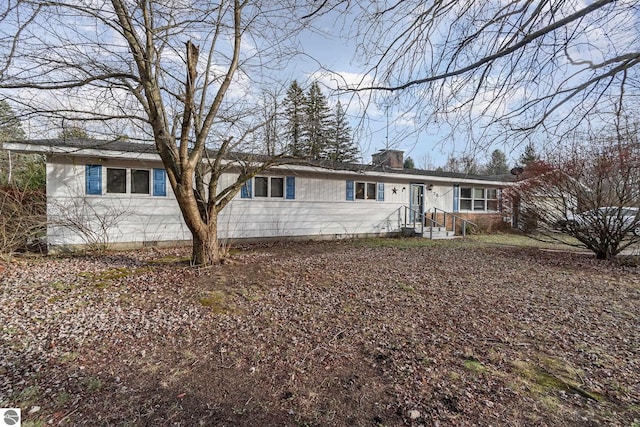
(366, 190)
(262, 186)
(269, 187)
(478, 199)
(466, 200)
(140, 181)
(492, 199)
(116, 180)
(360, 190)
(123, 181)
(277, 187)
(371, 191)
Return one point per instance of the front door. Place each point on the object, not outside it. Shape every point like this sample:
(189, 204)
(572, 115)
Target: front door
(416, 202)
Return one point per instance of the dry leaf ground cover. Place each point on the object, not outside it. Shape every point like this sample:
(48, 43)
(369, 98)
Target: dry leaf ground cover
(367, 332)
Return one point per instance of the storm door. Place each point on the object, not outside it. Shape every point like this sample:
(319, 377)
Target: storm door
(416, 202)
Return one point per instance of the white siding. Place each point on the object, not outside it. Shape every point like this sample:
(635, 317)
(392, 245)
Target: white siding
(76, 218)
(319, 208)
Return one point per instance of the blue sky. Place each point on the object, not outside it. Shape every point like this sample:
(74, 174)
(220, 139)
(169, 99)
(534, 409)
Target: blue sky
(330, 60)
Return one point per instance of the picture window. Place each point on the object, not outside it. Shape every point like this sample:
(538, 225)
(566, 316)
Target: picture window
(479, 199)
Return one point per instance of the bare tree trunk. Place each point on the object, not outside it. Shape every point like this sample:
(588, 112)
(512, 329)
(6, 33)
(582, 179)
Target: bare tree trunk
(9, 177)
(206, 249)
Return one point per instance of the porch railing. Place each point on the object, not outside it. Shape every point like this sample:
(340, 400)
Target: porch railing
(413, 217)
(454, 218)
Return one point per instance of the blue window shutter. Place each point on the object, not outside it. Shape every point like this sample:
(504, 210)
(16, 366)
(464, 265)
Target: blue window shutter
(291, 187)
(381, 191)
(245, 191)
(456, 198)
(159, 182)
(93, 176)
(350, 192)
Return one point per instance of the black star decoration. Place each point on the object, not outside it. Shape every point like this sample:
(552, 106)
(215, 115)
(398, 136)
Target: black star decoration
(394, 190)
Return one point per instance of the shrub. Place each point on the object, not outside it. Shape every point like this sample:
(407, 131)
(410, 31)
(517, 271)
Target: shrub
(22, 219)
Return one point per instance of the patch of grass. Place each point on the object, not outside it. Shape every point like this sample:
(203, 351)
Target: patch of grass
(552, 376)
(522, 240)
(405, 287)
(170, 259)
(28, 396)
(69, 357)
(474, 365)
(93, 384)
(61, 286)
(218, 301)
(63, 397)
(102, 279)
(34, 423)
(397, 242)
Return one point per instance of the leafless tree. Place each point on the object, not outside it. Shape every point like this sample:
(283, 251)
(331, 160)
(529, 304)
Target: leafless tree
(590, 192)
(182, 74)
(492, 68)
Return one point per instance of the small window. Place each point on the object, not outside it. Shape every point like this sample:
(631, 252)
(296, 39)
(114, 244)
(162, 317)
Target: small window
(116, 180)
(366, 191)
(465, 193)
(465, 205)
(360, 190)
(277, 187)
(139, 181)
(371, 191)
(478, 205)
(262, 184)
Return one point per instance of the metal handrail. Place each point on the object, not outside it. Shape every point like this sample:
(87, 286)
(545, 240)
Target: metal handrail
(421, 217)
(417, 214)
(454, 216)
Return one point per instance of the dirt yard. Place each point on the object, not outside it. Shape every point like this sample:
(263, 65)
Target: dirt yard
(369, 332)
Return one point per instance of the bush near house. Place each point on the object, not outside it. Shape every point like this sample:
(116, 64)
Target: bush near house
(23, 219)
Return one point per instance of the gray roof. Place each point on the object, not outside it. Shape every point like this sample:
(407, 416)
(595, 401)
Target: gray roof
(150, 148)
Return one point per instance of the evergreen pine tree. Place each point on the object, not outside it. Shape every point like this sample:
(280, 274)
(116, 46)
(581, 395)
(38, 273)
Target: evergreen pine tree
(10, 126)
(295, 116)
(340, 146)
(529, 155)
(73, 132)
(409, 163)
(23, 170)
(316, 124)
(497, 164)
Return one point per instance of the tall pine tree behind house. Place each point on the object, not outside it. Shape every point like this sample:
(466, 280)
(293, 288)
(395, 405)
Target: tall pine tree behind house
(295, 117)
(529, 155)
(497, 164)
(316, 124)
(340, 146)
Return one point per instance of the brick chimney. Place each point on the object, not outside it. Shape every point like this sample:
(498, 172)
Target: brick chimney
(389, 158)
